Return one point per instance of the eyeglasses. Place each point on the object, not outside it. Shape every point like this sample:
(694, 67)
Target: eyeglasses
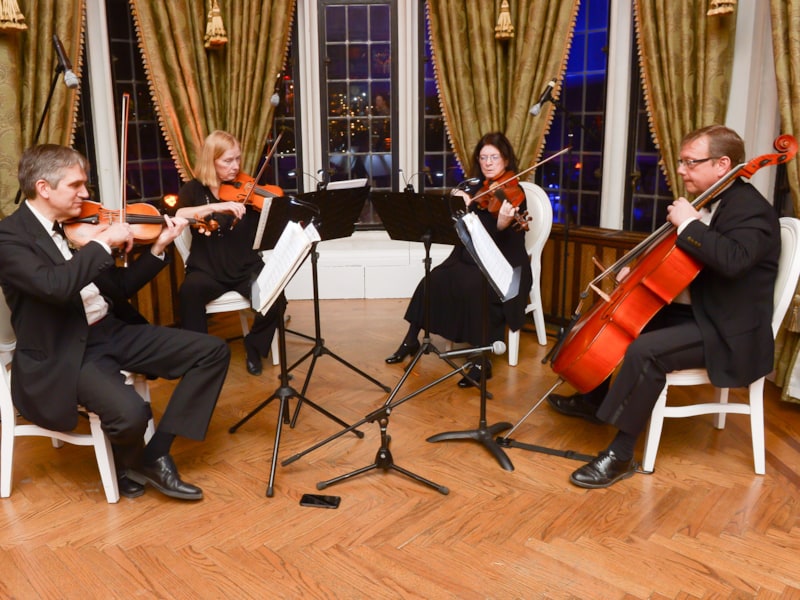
(691, 162)
(490, 158)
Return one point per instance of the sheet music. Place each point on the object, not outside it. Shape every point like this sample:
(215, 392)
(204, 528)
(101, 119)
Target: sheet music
(493, 260)
(262, 223)
(290, 251)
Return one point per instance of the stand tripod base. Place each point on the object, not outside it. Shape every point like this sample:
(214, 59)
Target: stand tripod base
(385, 461)
(509, 443)
(484, 435)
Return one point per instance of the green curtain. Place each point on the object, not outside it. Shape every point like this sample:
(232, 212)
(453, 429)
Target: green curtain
(489, 85)
(686, 59)
(197, 90)
(27, 67)
(786, 47)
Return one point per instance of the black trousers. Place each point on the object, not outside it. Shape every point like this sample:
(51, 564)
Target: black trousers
(670, 341)
(200, 361)
(199, 288)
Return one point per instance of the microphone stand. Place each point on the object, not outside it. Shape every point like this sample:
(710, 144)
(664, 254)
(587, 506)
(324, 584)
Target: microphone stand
(45, 110)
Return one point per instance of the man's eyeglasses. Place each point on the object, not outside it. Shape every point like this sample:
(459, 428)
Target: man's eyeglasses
(691, 162)
(490, 158)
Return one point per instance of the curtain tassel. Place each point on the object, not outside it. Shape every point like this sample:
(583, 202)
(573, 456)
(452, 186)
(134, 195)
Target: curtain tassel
(215, 28)
(504, 30)
(721, 7)
(10, 16)
(794, 316)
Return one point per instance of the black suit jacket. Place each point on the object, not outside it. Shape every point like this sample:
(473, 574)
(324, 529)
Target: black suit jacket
(732, 297)
(42, 290)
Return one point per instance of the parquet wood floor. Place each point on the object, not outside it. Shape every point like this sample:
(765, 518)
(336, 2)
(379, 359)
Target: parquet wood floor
(702, 526)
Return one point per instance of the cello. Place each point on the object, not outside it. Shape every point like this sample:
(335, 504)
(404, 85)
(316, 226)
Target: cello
(595, 343)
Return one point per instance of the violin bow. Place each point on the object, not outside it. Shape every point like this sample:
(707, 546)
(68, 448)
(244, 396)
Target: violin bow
(123, 162)
(267, 158)
(521, 173)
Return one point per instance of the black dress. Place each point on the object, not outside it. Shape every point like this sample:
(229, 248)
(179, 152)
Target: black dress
(222, 261)
(456, 291)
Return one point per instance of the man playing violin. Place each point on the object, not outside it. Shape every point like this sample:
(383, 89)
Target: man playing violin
(223, 260)
(76, 330)
(456, 285)
(721, 322)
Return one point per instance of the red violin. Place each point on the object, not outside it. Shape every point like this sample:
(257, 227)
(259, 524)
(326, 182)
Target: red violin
(505, 188)
(245, 189)
(145, 220)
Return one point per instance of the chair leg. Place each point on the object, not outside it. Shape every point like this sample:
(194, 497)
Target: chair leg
(143, 389)
(244, 322)
(6, 457)
(274, 350)
(756, 393)
(654, 432)
(721, 397)
(538, 321)
(513, 348)
(105, 459)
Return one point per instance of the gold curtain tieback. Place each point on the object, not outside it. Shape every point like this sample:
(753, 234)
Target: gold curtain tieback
(504, 30)
(215, 28)
(10, 16)
(721, 7)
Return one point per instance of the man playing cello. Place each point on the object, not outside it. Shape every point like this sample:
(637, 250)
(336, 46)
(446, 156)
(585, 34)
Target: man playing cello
(721, 322)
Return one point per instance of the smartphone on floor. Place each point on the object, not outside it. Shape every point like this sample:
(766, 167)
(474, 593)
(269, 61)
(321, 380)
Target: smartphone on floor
(320, 501)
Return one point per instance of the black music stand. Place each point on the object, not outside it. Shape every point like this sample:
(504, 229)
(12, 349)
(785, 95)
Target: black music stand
(484, 433)
(407, 217)
(284, 391)
(339, 209)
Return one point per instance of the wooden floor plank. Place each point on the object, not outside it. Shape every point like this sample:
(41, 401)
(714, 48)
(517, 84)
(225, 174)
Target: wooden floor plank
(703, 525)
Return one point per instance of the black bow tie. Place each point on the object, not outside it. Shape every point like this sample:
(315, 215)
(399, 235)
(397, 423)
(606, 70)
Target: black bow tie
(59, 229)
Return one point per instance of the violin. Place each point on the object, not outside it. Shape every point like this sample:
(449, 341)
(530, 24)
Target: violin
(245, 189)
(497, 194)
(497, 191)
(145, 220)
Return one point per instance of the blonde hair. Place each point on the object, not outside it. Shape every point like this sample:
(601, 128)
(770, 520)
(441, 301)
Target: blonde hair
(215, 145)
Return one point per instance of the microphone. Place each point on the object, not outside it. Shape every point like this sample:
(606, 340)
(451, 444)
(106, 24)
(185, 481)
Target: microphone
(303, 204)
(70, 79)
(497, 347)
(466, 183)
(321, 183)
(409, 186)
(547, 95)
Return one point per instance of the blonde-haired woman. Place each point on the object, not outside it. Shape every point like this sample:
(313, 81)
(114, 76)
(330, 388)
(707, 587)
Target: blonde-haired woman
(223, 259)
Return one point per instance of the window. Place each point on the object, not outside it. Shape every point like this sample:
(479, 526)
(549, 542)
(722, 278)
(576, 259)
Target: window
(441, 169)
(150, 171)
(647, 196)
(357, 40)
(573, 179)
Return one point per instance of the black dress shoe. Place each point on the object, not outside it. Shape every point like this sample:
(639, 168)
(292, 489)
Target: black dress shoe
(127, 486)
(163, 475)
(475, 375)
(602, 471)
(574, 406)
(252, 357)
(402, 352)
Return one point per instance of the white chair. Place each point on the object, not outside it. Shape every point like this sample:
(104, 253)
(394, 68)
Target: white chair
(12, 430)
(788, 272)
(541, 212)
(227, 302)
